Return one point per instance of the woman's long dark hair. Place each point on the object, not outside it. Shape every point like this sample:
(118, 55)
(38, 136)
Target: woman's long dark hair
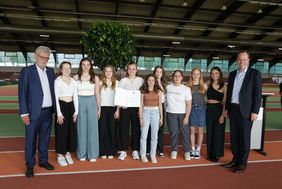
(220, 79)
(91, 71)
(164, 77)
(145, 88)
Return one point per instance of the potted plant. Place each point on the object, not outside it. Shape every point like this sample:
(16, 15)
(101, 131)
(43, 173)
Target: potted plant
(109, 42)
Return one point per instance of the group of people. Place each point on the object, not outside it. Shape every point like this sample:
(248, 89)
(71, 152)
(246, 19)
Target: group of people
(87, 117)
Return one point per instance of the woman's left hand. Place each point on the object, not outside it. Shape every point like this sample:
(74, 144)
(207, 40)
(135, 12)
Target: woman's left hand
(74, 117)
(99, 113)
(221, 119)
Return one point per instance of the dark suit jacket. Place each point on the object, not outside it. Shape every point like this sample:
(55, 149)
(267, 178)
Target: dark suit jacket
(30, 91)
(250, 93)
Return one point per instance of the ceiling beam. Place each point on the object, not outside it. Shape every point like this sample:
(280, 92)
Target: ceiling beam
(253, 19)
(153, 13)
(36, 6)
(235, 5)
(78, 15)
(190, 12)
(274, 61)
(15, 36)
(117, 7)
(231, 60)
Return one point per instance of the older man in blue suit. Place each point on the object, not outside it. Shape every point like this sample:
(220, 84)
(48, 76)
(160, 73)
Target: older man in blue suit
(37, 102)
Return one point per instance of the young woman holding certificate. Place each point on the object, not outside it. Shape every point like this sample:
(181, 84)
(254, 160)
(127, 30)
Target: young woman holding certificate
(129, 115)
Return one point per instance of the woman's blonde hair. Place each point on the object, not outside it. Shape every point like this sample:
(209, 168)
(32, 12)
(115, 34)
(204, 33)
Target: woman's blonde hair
(104, 79)
(201, 89)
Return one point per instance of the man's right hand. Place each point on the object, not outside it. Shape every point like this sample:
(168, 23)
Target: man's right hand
(225, 114)
(25, 119)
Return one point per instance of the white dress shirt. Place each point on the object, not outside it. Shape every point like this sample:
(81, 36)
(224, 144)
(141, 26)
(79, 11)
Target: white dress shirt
(238, 85)
(47, 98)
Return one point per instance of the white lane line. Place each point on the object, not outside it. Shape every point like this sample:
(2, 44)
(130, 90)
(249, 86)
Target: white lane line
(22, 136)
(166, 146)
(134, 169)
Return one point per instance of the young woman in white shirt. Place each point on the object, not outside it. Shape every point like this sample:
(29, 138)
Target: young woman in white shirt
(178, 100)
(67, 110)
(109, 113)
(88, 89)
(129, 115)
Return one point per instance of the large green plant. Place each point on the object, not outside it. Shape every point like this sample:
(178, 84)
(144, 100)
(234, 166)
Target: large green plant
(109, 43)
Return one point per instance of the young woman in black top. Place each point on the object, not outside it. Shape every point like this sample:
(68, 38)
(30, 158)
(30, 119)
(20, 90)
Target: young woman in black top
(215, 122)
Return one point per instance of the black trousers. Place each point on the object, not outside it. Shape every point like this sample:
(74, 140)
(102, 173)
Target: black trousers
(160, 146)
(240, 135)
(215, 131)
(129, 117)
(66, 134)
(107, 131)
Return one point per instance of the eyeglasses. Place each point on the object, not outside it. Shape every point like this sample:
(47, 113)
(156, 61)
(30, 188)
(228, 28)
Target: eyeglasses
(43, 57)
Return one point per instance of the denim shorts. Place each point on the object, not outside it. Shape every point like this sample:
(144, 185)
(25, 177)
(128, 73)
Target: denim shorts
(198, 116)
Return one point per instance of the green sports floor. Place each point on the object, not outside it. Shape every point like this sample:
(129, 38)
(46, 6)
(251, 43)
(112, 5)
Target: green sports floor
(11, 124)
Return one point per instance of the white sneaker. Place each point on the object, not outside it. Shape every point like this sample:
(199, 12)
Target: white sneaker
(144, 159)
(103, 157)
(154, 159)
(82, 159)
(197, 154)
(62, 161)
(187, 156)
(93, 160)
(68, 158)
(110, 157)
(173, 155)
(122, 155)
(135, 155)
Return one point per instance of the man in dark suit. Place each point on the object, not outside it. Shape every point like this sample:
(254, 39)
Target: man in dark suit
(242, 106)
(37, 102)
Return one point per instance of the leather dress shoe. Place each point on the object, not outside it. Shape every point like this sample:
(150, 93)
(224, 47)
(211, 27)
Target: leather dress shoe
(47, 166)
(29, 172)
(231, 164)
(240, 169)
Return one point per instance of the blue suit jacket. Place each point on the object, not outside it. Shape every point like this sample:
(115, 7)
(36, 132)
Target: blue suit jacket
(250, 93)
(30, 91)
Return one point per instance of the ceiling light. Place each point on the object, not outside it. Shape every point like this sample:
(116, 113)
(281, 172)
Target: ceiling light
(142, 1)
(176, 42)
(44, 35)
(223, 8)
(231, 46)
(259, 11)
(166, 55)
(215, 58)
(260, 59)
(280, 48)
(185, 4)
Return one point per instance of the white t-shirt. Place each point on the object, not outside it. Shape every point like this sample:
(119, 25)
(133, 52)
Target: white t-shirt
(64, 89)
(176, 98)
(128, 84)
(108, 95)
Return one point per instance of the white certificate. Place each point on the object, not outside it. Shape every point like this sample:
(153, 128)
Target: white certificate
(127, 98)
